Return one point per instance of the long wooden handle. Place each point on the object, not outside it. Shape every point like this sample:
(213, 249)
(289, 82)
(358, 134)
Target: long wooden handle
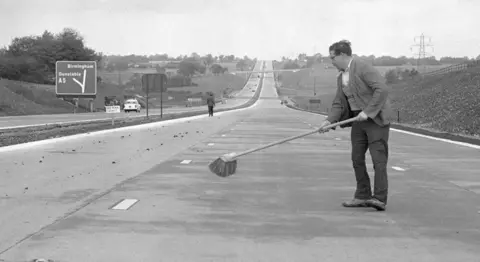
(296, 137)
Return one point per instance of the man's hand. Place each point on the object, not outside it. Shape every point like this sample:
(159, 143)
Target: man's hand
(323, 125)
(362, 116)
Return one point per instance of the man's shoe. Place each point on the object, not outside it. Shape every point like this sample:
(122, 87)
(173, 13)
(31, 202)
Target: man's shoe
(377, 204)
(355, 203)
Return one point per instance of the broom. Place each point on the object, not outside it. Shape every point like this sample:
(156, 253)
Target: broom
(226, 165)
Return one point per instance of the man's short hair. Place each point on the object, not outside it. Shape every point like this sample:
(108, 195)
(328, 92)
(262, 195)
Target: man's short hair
(343, 46)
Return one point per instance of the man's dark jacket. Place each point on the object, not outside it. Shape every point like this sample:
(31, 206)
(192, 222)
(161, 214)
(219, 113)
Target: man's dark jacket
(210, 101)
(370, 92)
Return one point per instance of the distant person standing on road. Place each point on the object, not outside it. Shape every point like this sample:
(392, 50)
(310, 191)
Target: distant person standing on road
(210, 104)
(362, 92)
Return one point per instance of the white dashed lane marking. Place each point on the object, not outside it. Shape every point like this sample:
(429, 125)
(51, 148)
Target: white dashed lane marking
(125, 204)
(186, 162)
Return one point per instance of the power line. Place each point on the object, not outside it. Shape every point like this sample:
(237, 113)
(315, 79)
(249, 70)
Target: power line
(422, 54)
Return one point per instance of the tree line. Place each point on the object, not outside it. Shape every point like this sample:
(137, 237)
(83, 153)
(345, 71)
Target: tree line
(305, 61)
(122, 63)
(33, 58)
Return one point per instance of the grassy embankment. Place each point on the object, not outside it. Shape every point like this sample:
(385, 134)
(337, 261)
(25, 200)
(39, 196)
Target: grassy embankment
(445, 103)
(20, 98)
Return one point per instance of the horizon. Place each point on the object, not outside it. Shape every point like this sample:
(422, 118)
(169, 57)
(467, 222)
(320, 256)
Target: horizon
(283, 28)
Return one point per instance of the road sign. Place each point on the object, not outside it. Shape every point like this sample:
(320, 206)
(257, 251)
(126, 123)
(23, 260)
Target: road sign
(112, 109)
(154, 83)
(315, 101)
(194, 101)
(76, 79)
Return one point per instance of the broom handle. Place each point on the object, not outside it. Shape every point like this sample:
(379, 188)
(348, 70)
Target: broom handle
(295, 137)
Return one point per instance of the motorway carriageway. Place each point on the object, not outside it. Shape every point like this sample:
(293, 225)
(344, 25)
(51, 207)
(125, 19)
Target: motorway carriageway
(146, 194)
(241, 97)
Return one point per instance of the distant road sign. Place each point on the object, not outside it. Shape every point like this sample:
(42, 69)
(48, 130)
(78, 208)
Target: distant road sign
(315, 101)
(76, 79)
(112, 109)
(195, 99)
(154, 82)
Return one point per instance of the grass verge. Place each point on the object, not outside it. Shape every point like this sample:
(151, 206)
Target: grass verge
(17, 98)
(413, 129)
(443, 106)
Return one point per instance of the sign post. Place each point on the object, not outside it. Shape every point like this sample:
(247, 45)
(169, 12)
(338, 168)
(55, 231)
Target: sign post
(315, 72)
(154, 83)
(76, 79)
(112, 110)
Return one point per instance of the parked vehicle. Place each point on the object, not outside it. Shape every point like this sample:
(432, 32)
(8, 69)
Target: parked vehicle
(132, 105)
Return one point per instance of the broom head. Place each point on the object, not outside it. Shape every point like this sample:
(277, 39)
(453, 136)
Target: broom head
(224, 166)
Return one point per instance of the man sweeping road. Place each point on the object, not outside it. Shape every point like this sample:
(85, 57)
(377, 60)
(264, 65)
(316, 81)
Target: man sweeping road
(362, 92)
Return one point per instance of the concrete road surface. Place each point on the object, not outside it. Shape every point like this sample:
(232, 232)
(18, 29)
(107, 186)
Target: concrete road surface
(65, 201)
(241, 97)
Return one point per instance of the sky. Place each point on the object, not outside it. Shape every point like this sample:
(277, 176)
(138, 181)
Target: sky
(266, 29)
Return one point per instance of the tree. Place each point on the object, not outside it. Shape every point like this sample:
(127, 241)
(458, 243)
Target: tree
(218, 69)
(135, 81)
(200, 68)
(208, 60)
(33, 58)
(302, 56)
(189, 68)
(159, 57)
(291, 65)
(391, 76)
(241, 65)
(229, 58)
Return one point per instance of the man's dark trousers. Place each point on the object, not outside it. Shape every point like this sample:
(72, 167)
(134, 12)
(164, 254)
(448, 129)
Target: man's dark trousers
(369, 135)
(210, 110)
